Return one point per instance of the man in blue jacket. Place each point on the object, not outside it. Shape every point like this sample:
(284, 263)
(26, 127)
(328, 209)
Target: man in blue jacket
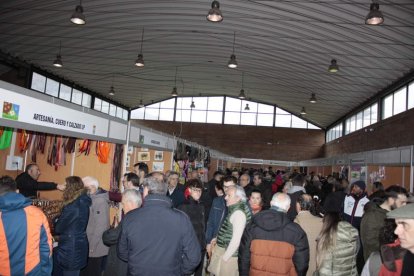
(158, 239)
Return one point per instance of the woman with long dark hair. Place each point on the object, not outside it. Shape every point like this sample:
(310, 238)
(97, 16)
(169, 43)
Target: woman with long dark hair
(71, 255)
(336, 247)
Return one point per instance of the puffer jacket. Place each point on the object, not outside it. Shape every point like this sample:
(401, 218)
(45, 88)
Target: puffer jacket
(273, 245)
(371, 223)
(72, 251)
(341, 260)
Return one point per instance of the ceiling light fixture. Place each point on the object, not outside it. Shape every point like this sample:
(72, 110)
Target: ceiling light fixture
(313, 98)
(192, 105)
(374, 16)
(247, 108)
(58, 61)
(303, 111)
(112, 90)
(214, 14)
(232, 62)
(141, 103)
(78, 17)
(140, 60)
(242, 96)
(174, 91)
(333, 67)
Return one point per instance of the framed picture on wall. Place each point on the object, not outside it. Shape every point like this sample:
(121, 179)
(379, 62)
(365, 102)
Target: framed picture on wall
(157, 166)
(158, 155)
(144, 156)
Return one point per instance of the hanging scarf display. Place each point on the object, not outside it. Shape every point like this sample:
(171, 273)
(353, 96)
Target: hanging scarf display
(6, 137)
(85, 148)
(70, 145)
(102, 151)
(116, 167)
(24, 140)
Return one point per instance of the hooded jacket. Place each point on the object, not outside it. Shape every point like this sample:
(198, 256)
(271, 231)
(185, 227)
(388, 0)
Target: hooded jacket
(72, 251)
(98, 223)
(371, 224)
(25, 240)
(273, 245)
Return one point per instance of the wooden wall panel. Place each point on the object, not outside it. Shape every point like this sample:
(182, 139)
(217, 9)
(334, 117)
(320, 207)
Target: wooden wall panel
(89, 165)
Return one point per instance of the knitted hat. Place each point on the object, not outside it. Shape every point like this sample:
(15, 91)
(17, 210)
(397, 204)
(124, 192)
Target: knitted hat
(404, 212)
(360, 184)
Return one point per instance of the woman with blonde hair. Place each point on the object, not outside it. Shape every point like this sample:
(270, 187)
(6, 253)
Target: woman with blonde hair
(336, 247)
(71, 255)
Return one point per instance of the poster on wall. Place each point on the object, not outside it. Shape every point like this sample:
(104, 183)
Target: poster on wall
(358, 172)
(157, 166)
(158, 155)
(144, 156)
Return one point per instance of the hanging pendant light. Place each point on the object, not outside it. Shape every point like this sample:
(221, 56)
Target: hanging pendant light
(140, 60)
(242, 96)
(247, 108)
(214, 14)
(141, 103)
(78, 17)
(112, 90)
(333, 67)
(374, 16)
(313, 98)
(192, 105)
(174, 91)
(232, 62)
(303, 111)
(58, 61)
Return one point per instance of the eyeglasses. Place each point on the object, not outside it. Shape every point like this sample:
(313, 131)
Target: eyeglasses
(196, 190)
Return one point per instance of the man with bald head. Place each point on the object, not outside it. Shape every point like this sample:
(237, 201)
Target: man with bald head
(272, 243)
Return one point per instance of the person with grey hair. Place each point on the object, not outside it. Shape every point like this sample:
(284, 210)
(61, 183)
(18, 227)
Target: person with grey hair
(98, 223)
(158, 239)
(224, 256)
(273, 244)
(175, 190)
(131, 200)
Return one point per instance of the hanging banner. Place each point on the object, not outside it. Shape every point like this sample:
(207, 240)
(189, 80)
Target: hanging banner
(21, 108)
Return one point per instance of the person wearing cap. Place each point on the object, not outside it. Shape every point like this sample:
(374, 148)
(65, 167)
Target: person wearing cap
(354, 204)
(404, 218)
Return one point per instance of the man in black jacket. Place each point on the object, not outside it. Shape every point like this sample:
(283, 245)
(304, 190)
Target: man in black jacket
(158, 239)
(28, 185)
(131, 200)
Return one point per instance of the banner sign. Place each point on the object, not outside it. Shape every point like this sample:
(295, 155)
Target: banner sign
(25, 109)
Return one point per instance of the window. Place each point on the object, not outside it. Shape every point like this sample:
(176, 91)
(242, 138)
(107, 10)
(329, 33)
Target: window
(86, 100)
(76, 97)
(400, 101)
(98, 104)
(65, 92)
(52, 88)
(334, 133)
(387, 106)
(411, 95)
(218, 110)
(38, 82)
(57, 89)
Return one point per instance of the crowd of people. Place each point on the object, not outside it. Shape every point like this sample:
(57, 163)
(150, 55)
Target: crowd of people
(242, 222)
